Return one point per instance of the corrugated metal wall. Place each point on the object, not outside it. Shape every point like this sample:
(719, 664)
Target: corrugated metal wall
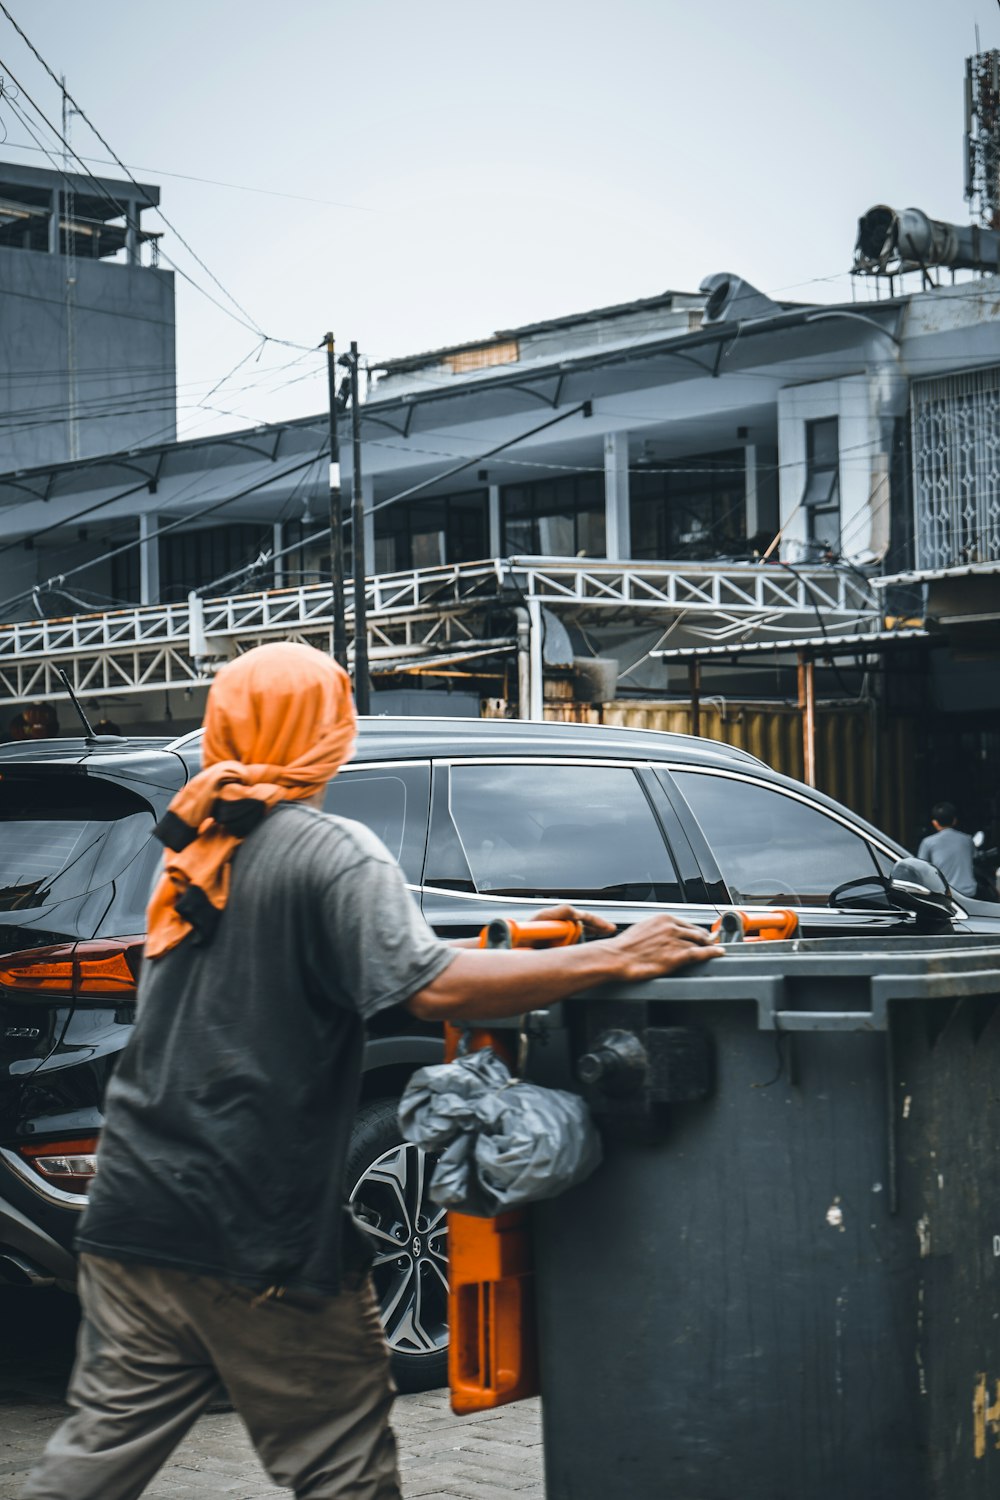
(873, 775)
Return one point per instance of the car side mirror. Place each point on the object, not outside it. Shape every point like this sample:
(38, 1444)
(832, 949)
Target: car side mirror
(917, 886)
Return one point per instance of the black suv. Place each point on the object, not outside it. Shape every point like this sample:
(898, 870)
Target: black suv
(486, 817)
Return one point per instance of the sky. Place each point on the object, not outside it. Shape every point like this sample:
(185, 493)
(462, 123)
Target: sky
(414, 175)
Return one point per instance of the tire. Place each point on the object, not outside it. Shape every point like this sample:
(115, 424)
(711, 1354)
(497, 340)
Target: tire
(386, 1184)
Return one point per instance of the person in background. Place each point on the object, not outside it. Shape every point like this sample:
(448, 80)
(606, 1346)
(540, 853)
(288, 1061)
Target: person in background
(41, 722)
(949, 850)
(36, 722)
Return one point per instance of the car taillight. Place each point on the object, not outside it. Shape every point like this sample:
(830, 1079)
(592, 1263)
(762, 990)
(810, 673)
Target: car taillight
(69, 1165)
(102, 968)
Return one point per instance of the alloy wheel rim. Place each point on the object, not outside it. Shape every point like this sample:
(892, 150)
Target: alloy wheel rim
(392, 1205)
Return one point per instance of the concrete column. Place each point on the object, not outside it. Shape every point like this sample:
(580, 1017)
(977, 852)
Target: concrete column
(761, 489)
(536, 684)
(618, 540)
(149, 559)
(496, 533)
(694, 687)
(54, 221)
(523, 663)
(750, 482)
(278, 533)
(131, 235)
(807, 704)
(368, 496)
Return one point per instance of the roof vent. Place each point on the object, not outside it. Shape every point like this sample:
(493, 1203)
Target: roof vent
(891, 241)
(731, 299)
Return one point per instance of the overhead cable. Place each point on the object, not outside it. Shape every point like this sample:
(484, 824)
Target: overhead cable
(521, 437)
(239, 187)
(60, 84)
(119, 208)
(154, 535)
(78, 516)
(246, 320)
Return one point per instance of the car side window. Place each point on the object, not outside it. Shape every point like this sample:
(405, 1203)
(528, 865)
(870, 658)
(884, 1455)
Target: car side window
(392, 802)
(576, 831)
(770, 847)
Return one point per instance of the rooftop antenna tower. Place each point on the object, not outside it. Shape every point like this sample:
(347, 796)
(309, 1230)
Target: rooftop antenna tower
(982, 136)
(892, 242)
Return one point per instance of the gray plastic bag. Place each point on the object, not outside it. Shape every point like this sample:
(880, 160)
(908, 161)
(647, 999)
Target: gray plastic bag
(500, 1142)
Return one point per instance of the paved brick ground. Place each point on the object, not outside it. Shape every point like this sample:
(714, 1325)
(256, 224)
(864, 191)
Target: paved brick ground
(486, 1457)
(450, 1458)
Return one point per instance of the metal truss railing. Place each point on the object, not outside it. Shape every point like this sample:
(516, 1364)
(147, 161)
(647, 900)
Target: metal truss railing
(714, 588)
(411, 616)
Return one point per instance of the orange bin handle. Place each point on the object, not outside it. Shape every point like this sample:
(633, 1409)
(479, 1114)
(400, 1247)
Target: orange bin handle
(493, 1342)
(493, 1346)
(503, 933)
(774, 926)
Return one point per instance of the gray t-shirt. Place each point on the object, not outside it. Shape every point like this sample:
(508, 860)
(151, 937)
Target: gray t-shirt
(229, 1115)
(951, 853)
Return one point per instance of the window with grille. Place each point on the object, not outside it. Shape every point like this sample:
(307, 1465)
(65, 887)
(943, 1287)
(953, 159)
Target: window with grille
(955, 423)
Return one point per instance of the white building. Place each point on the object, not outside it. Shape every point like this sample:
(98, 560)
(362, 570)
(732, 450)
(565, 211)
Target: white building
(690, 474)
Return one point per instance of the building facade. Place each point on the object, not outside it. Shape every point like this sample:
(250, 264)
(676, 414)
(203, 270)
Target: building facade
(658, 508)
(86, 319)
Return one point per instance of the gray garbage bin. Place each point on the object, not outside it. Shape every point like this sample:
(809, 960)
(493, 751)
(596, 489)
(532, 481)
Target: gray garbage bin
(784, 1282)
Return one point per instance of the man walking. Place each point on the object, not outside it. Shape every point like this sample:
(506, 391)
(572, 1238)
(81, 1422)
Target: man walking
(950, 851)
(216, 1246)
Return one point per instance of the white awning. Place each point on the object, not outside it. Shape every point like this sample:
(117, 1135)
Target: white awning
(823, 645)
(932, 575)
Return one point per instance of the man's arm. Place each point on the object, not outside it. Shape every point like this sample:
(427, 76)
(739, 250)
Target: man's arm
(489, 984)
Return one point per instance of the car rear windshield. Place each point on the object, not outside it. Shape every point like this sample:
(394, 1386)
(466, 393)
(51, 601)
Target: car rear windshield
(61, 835)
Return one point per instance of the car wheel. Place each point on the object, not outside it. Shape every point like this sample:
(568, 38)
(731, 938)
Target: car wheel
(387, 1183)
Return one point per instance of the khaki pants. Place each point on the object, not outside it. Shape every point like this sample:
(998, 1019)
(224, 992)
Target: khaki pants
(309, 1378)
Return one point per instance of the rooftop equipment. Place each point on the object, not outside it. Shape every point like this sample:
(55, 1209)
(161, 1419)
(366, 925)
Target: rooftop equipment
(731, 299)
(891, 241)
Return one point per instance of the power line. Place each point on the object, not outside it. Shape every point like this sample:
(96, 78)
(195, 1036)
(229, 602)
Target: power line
(121, 211)
(239, 187)
(60, 84)
(119, 208)
(266, 556)
(175, 498)
(863, 450)
(77, 516)
(207, 510)
(124, 404)
(521, 437)
(84, 307)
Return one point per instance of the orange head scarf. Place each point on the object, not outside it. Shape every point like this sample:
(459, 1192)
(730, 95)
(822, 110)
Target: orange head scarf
(278, 726)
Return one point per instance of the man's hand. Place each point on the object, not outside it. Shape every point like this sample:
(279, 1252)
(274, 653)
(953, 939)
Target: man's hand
(593, 925)
(487, 984)
(650, 948)
(661, 944)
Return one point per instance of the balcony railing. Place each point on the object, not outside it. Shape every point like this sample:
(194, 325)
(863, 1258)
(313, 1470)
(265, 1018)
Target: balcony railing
(423, 613)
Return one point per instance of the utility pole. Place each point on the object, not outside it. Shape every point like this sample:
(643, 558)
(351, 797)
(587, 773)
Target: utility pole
(69, 202)
(336, 514)
(361, 687)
